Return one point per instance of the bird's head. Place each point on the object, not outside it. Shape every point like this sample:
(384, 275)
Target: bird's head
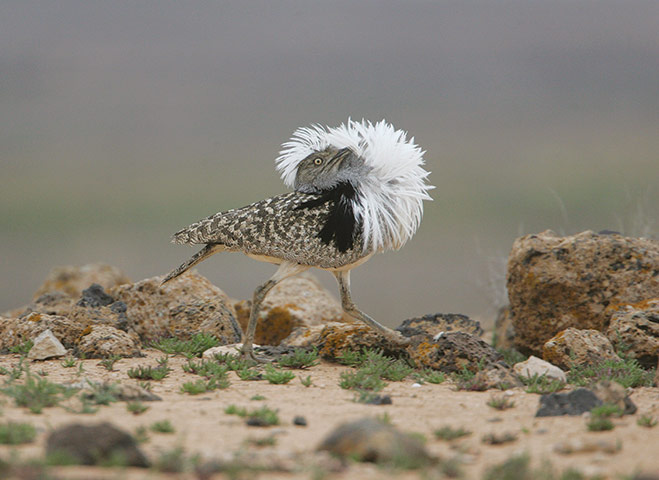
(323, 170)
(382, 165)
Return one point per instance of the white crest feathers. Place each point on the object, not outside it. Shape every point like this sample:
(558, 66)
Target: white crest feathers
(389, 201)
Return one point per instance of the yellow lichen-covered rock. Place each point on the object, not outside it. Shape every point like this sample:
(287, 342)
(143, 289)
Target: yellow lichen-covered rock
(187, 305)
(339, 338)
(635, 329)
(103, 341)
(574, 347)
(558, 282)
(453, 352)
(296, 302)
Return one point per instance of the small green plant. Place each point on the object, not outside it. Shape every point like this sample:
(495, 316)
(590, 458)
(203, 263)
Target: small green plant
(42, 373)
(163, 426)
(600, 417)
(542, 384)
(627, 372)
(68, 362)
(449, 433)
(22, 348)
(101, 393)
(466, 379)
(141, 434)
(145, 385)
(194, 347)
(136, 407)
(268, 441)
(384, 418)
(361, 379)
(203, 386)
(306, 381)
(15, 433)
(37, 393)
(500, 402)
(258, 398)
(276, 376)
(175, 461)
(249, 374)
(262, 416)
(646, 421)
(352, 358)
(300, 358)
(108, 363)
(151, 373)
(428, 375)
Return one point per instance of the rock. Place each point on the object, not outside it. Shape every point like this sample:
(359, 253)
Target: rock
(304, 336)
(504, 331)
(95, 445)
(336, 339)
(46, 346)
(429, 326)
(73, 280)
(452, 352)
(577, 402)
(187, 305)
(299, 301)
(369, 440)
(535, 366)
(573, 347)
(15, 331)
(132, 393)
(612, 393)
(300, 421)
(559, 282)
(103, 341)
(496, 375)
(588, 445)
(379, 400)
(634, 329)
(499, 438)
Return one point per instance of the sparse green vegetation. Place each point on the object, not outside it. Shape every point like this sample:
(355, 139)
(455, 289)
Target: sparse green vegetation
(542, 384)
(600, 417)
(163, 426)
(627, 372)
(249, 374)
(101, 393)
(500, 402)
(109, 362)
(257, 398)
(22, 348)
(428, 375)
(646, 421)
(141, 434)
(36, 393)
(449, 433)
(374, 367)
(268, 441)
(599, 424)
(261, 417)
(68, 362)
(151, 373)
(136, 407)
(274, 375)
(175, 461)
(194, 347)
(519, 468)
(15, 433)
(300, 358)
(465, 379)
(306, 381)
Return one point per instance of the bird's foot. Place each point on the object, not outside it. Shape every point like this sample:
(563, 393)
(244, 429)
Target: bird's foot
(397, 338)
(247, 353)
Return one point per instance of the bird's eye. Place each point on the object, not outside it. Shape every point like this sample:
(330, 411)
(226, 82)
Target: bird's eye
(317, 161)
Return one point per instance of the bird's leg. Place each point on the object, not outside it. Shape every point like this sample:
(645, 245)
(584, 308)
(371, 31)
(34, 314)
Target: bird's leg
(343, 277)
(285, 270)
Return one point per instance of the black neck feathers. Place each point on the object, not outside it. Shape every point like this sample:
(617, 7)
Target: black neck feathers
(340, 225)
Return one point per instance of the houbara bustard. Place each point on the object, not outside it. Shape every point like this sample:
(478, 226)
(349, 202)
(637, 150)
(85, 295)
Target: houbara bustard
(358, 190)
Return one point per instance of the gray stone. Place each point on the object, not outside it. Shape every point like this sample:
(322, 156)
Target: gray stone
(535, 366)
(103, 341)
(369, 440)
(95, 445)
(576, 402)
(46, 346)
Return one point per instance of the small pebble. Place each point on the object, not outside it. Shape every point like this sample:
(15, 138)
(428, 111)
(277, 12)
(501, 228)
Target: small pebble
(300, 421)
(416, 385)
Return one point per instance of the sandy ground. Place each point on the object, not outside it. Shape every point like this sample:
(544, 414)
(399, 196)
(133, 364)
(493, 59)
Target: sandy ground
(203, 428)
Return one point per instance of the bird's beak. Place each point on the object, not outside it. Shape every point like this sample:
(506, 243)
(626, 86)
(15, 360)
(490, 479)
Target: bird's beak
(342, 154)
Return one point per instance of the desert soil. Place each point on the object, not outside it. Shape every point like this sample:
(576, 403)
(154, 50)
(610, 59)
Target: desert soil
(202, 427)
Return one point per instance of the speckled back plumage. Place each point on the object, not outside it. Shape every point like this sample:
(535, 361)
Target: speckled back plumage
(283, 227)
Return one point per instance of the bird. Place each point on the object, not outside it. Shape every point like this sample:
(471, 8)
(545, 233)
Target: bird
(357, 190)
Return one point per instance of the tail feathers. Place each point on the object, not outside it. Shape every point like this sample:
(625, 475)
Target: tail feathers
(200, 256)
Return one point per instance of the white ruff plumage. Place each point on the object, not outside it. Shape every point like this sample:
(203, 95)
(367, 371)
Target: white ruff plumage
(389, 201)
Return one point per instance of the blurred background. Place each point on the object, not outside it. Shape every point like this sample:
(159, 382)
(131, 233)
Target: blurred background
(122, 122)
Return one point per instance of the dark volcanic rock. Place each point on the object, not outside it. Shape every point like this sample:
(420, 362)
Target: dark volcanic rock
(95, 445)
(452, 352)
(369, 440)
(72, 280)
(559, 282)
(576, 402)
(432, 325)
